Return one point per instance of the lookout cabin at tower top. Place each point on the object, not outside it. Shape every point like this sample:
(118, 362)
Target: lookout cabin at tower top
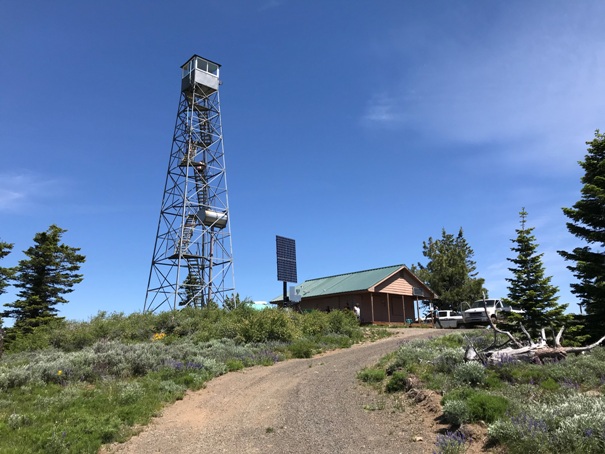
(201, 72)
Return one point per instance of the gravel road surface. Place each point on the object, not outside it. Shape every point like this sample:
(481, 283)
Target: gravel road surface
(298, 406)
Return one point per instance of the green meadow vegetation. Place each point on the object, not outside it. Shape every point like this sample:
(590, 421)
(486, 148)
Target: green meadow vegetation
(69, 387)
(557, 407)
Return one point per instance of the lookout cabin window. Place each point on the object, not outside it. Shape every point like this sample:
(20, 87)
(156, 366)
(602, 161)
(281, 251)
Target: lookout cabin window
(202, 65)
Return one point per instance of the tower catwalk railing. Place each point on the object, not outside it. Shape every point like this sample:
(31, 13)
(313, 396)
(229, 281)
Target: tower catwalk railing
(192, 261)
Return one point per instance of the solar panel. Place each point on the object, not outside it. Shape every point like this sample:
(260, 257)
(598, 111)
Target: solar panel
(286, 259)
(417, 291)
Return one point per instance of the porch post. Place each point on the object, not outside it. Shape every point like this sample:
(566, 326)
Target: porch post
(417, 310)
(388, 308)
(372, 304)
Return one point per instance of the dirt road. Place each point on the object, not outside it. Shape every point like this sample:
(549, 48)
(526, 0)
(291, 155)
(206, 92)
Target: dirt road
(299, 406)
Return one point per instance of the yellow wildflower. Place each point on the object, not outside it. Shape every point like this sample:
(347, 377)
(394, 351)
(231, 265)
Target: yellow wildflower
(158, 336)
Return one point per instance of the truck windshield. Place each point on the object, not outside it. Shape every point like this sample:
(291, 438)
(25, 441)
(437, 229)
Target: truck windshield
(488, 303)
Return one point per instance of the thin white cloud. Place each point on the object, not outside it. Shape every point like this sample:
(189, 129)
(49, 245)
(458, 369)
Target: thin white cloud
(20, 191)
(539, 87)
(383, 109)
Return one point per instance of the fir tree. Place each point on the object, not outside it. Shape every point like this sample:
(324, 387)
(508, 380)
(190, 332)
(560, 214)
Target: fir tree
(529, 288)
(234, 301)
(588, 224)
(5, 273)
(451, 271)
(190, 292)
(49, 271)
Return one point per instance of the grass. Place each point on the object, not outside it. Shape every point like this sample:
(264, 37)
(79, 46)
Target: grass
(76, 418)
(554, 407)
(371, 375)
(72, 386)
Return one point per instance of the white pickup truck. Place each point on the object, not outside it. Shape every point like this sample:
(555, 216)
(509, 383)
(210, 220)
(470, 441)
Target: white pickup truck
(495, 309)
(448, 319)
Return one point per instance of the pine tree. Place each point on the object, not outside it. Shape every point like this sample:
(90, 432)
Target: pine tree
(588, 223)
(451, 271)
(529, 288)
(49, 271)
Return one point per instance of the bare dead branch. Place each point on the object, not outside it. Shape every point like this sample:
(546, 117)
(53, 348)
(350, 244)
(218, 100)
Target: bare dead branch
(526, 333)
(510, 336)
(584, 349)
(558, 337)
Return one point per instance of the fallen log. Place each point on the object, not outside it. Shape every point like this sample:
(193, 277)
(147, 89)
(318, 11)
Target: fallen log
(528, 351)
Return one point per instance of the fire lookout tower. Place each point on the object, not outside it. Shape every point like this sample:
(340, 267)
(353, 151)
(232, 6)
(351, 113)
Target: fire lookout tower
(192, 260)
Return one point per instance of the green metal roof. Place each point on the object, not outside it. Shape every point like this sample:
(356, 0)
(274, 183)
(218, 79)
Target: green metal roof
(344, 283)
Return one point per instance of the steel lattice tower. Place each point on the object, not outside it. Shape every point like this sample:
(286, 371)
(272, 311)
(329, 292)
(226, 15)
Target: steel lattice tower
(192, 260)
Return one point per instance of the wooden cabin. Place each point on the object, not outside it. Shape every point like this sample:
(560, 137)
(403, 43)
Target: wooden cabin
(390, 295)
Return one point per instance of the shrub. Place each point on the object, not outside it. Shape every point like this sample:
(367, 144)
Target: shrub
(242, 324)
(450, 341)
(370, 375)
(113, 359)
(16, 421)
(448, 360)
(15, 341)
(411, 354)
(529, 373)
(569, 424)
(486, 407)
(71, 336)
(269, 325)
(465, 405)
(344, 322)
(462, 393)
(397, 382)
(129, 393)
(492, 380)
(315, 323)
(234, 364)
(172, 390)
(470, 373)
(301, 349)
(456, 412)
(550, 385)
(450, 443)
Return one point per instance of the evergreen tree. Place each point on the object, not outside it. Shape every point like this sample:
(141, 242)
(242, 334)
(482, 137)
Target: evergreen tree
(234, 301)
(588, 223)
(529, 288)
(190, 292)
(49, 271)
(451, 271)
(5, 273)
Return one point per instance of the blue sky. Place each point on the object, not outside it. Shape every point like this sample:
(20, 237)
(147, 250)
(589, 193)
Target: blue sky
(360, 129)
